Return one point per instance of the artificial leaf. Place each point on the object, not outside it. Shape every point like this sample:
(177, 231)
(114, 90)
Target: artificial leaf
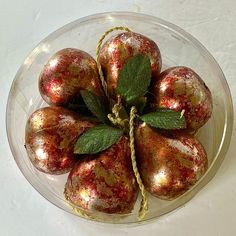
(134, 78)
(165, 119)
(140, 104)
(97, 139)
(95, 104)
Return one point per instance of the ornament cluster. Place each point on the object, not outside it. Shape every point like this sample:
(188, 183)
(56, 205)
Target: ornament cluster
(85, 130)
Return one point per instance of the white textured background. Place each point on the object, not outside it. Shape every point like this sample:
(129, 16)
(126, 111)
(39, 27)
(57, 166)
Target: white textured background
(23, 23)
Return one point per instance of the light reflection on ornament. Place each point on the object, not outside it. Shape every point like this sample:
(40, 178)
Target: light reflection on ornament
(161, 177)
(163, 87)
(111, 48)
(53, 62)
(37, 120)
(56, 88)
(85, 195)
(41, 154)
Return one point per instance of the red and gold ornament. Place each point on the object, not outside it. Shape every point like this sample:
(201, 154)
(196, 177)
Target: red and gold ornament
(117, 50)
(169, 163)
(50, 136)
(108, 181)
(65, 74)
(180, 88)
(105, 181)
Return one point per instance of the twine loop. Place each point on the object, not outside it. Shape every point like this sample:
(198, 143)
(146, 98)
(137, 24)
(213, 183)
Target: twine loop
(144, 202)
(103, 81)
(115, 118)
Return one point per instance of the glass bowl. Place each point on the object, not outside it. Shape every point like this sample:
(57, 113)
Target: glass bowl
(177, 48)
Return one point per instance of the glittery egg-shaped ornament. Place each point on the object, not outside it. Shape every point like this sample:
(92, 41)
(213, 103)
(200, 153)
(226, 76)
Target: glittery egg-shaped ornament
(50, 136)
(180, 88)
(105, 181)
(117, 50)
(65, 74)
(169, 163)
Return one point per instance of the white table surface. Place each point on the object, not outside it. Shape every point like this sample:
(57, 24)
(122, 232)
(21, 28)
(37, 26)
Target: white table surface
(23, 23)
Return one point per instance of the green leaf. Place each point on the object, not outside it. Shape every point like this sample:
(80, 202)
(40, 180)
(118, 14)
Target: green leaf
(97, 139)
(140, 104)
(95, 104)
(134, 78)
(165, 119)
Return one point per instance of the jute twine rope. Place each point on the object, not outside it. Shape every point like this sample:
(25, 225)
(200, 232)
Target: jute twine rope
(116, 120)
(114, 117)
(104, 84)
(144, 203)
